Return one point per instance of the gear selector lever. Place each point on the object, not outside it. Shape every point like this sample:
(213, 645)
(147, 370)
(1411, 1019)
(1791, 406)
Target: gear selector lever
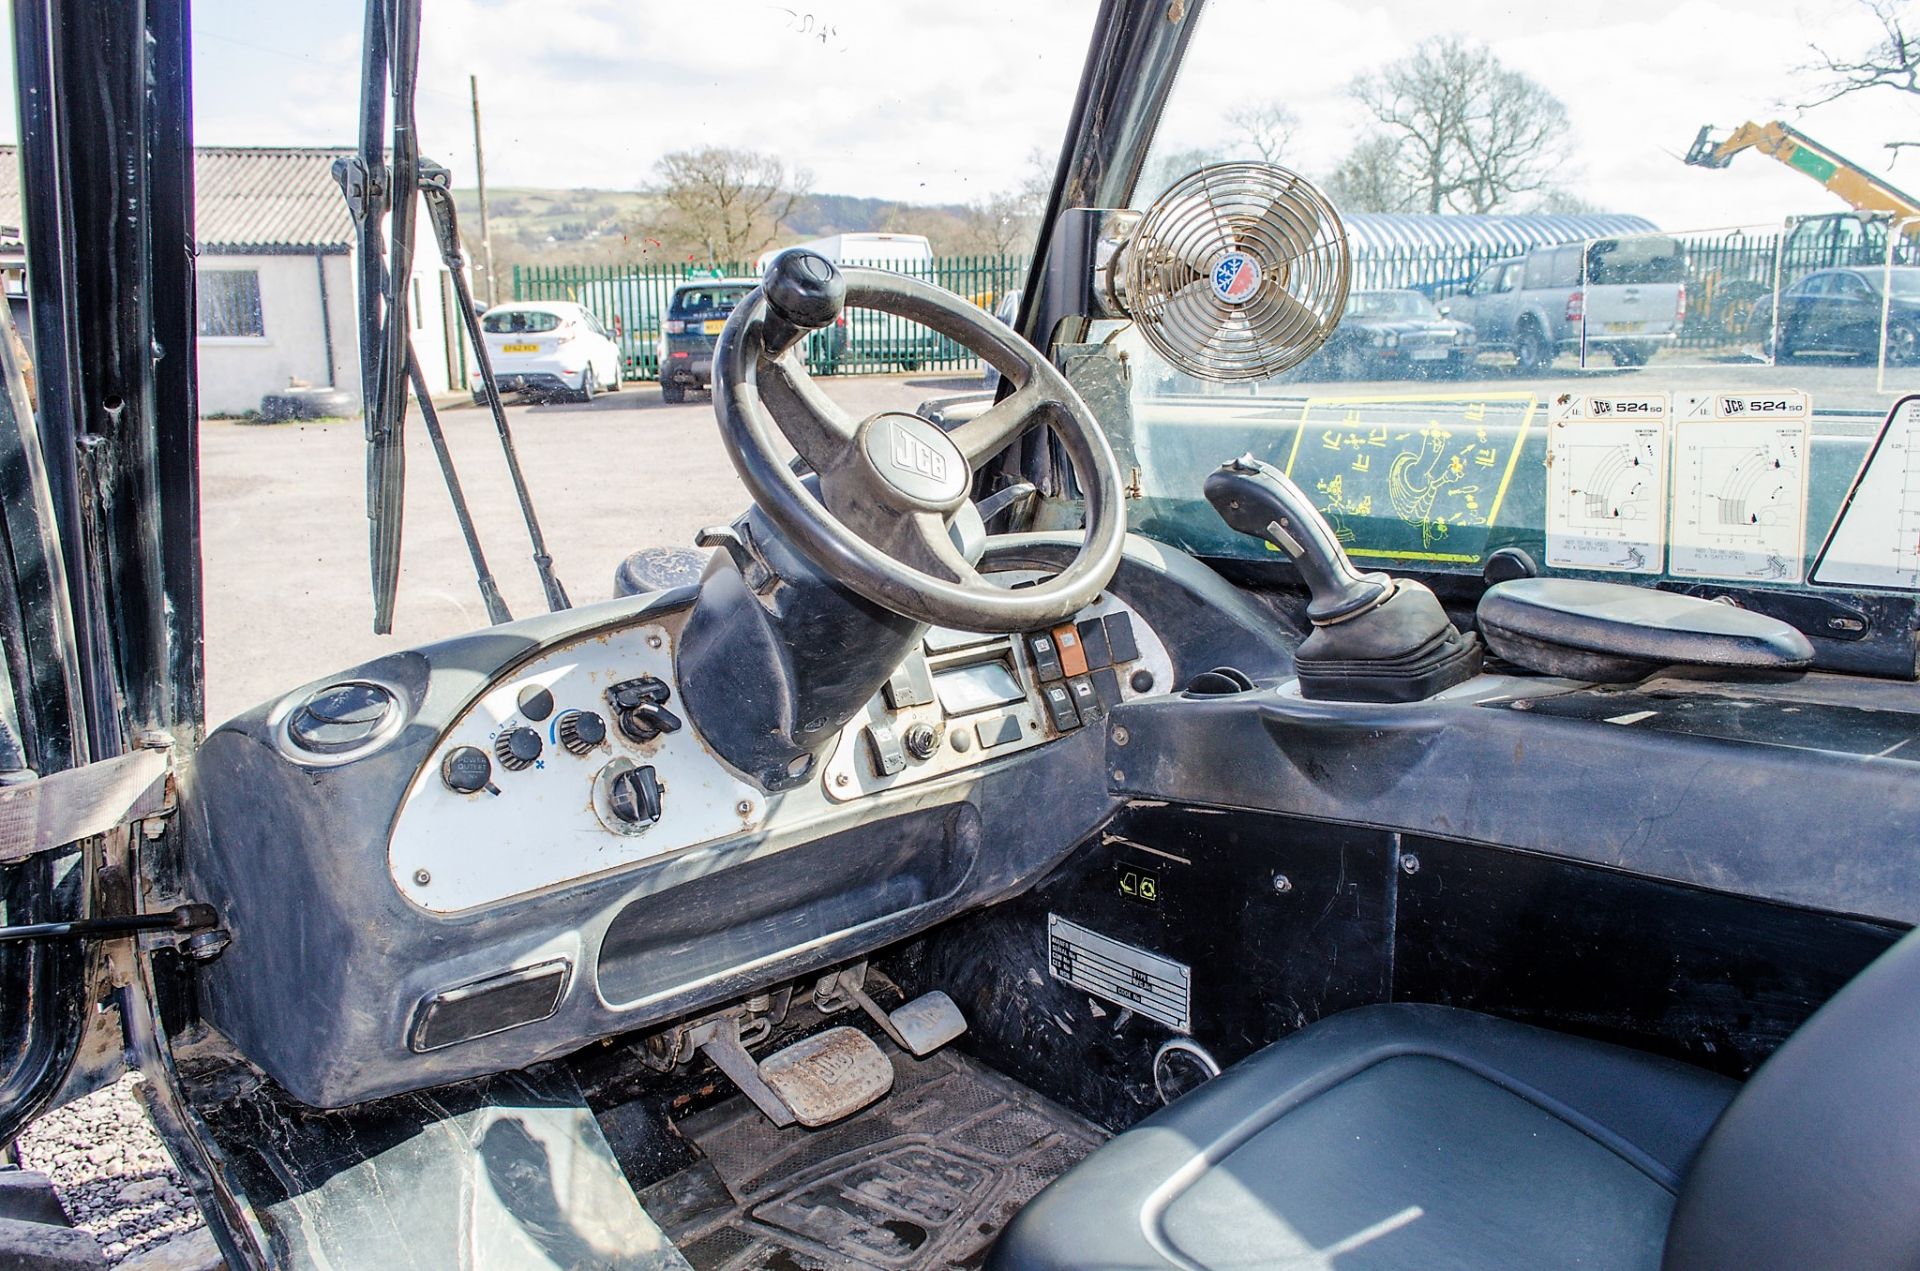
(1375, 638)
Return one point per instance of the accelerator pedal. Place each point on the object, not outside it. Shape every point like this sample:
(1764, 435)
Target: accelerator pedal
(816, 1081)
(920, 1027)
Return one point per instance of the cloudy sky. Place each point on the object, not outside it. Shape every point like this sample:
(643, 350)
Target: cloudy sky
(942, 100)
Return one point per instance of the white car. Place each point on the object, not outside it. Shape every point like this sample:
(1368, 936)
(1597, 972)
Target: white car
(550, 348)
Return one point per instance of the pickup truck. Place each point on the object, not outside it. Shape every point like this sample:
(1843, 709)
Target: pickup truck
(1621, 296)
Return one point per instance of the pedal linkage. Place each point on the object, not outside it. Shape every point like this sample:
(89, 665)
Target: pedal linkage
(822, 1078)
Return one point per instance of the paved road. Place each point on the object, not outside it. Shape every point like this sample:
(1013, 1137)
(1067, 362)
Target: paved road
(285, 532)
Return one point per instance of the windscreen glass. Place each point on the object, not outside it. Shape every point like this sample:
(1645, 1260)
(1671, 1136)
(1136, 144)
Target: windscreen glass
(1617, 211)
(602, 156)
(708, 299)
(519, 322)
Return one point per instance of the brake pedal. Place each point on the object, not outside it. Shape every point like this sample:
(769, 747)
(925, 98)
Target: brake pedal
(921, 1026)
(828, 1075)
(816, 1081)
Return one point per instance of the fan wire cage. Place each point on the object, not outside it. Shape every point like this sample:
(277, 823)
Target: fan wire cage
(1239, 271)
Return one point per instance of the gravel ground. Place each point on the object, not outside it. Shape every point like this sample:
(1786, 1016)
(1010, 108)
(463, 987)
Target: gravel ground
(113, 1177)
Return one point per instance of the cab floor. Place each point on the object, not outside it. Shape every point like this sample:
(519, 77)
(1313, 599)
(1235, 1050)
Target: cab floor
(926, 1177)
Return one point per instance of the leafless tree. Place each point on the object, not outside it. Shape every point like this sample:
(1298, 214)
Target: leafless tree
(1008, 222)
(1893, 61)
(1370, 178)
(1267, 128)
(1002, 224)
(1473, 133)
(1160, 175)
(725, 202)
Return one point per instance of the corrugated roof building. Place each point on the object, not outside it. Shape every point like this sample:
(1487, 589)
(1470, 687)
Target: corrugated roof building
(275, 277)
(1440, 253)
(246, 198)
(1375, 233)
(249, 198)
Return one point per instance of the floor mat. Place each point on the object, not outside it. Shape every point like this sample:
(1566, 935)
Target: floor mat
(926, 1177)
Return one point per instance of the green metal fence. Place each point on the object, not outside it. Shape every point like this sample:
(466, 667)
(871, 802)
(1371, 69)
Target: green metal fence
(631, 300)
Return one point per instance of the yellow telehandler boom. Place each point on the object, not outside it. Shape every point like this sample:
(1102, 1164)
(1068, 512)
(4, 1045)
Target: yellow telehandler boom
(1863, 191)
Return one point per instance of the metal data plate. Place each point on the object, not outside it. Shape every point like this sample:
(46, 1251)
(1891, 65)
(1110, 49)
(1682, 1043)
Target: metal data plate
(1157, 987)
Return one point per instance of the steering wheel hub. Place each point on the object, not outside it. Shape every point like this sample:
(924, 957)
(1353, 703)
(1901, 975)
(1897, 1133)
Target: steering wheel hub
(916, 461)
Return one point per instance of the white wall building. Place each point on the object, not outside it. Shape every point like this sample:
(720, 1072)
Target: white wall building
(276, 255)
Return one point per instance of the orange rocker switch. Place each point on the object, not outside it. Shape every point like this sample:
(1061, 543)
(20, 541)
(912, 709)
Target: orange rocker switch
(1073, 657)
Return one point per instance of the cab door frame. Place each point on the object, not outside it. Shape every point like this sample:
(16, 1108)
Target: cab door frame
(101, 617)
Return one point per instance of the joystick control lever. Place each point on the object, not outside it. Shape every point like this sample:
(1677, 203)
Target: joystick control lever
(1375, 638)
(1258, 499)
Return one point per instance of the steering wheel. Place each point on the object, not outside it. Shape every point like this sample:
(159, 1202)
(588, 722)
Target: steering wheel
(889, 485)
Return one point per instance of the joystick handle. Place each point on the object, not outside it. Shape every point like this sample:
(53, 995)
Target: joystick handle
(1258, 499)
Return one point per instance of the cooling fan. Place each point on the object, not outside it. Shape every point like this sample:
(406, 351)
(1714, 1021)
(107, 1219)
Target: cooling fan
(1237, 272)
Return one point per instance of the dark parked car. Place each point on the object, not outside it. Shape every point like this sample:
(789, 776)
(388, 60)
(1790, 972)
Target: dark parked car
(1384, 334)
(1838, 311)
(694, 317)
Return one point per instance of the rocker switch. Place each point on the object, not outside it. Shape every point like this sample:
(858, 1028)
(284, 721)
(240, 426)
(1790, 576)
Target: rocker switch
(1073, 654)
(910, 684)
(1046, 657)
(883, 743)
(1060, 707)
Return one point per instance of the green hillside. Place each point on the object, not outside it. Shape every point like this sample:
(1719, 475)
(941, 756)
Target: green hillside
(553, 227)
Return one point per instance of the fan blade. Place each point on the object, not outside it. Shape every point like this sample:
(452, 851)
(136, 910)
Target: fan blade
(1286, 229)
(1203, 234)
(1279, 318)
(1194, 315)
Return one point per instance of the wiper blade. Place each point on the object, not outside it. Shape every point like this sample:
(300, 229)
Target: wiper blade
(374, 190)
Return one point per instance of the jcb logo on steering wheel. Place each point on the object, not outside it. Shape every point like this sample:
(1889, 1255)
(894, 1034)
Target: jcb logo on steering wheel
(910, 454)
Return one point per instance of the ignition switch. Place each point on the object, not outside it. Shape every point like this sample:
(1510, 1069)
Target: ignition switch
(634, 796)
(639, 705)
(921, 741)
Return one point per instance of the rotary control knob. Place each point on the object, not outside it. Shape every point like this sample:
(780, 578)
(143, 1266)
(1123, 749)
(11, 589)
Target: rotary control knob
(467, 770)
(581, 731)
(517, 748)
(921, 741)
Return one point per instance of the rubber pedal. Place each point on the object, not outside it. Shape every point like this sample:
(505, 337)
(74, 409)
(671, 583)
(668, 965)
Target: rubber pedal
(828, 1076)
(928, 1022)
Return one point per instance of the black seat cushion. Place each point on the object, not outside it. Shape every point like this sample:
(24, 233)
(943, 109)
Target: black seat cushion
(1396, 1136)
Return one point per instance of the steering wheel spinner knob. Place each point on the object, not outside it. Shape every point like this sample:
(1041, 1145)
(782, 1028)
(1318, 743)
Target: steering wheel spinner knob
(805, 289)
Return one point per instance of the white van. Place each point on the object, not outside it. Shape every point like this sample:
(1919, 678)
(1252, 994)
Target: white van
(866, 339)
(908, 253)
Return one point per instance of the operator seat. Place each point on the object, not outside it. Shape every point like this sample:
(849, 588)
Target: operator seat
(1406, 1136)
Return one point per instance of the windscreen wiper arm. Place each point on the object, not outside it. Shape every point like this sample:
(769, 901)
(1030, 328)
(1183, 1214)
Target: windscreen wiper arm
(375, 190)
(436, 186)
(497, 611)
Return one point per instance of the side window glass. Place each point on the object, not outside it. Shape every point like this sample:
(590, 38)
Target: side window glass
(1510, 280)
(1566, 266)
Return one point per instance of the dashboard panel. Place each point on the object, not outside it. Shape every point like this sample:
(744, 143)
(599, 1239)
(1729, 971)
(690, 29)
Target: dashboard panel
(577, 763)
(564, 810)
(548, 916)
